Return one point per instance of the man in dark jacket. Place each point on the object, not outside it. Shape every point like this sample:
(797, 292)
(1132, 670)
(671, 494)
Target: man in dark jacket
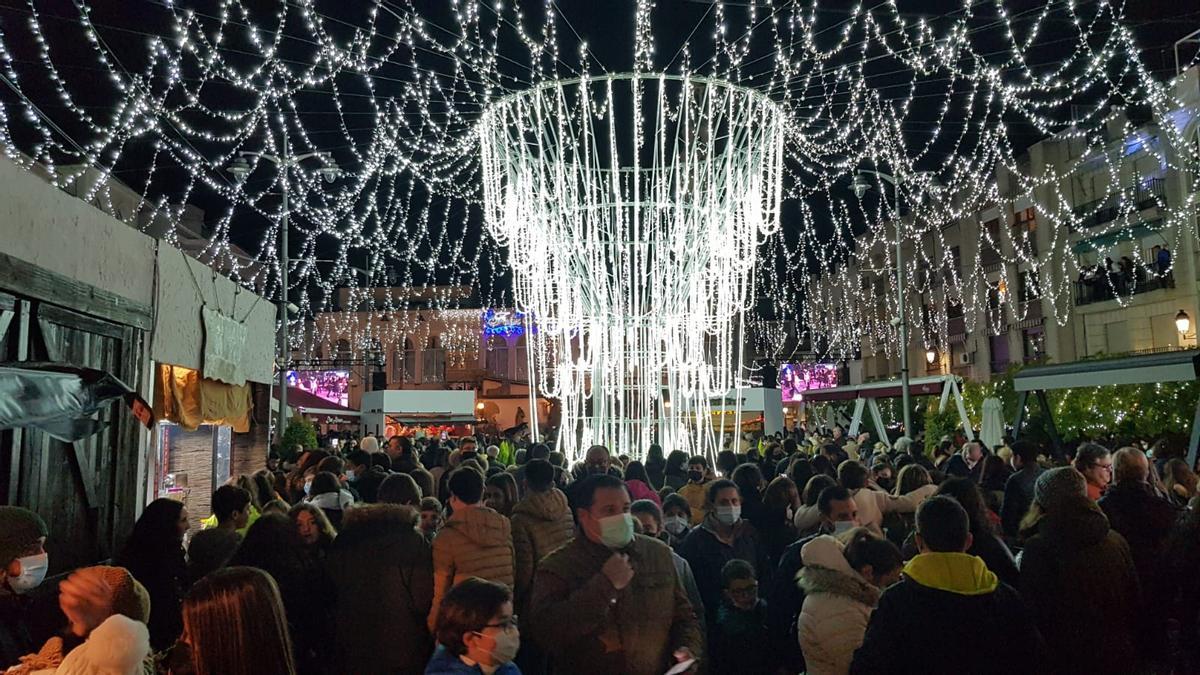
(383, 570)
(1018, 489)
(364, 478)
(838, 511)
(722, 536)
(1078, 578)
(611, 601)
(1145, 520)
(948, 613)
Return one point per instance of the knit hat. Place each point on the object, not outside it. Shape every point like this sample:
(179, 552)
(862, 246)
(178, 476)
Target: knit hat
(1057, 486)
(19, 529)
(117, 647)
(369, 443)
(130, 598)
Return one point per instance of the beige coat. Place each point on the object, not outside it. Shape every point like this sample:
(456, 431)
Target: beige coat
(541, 524)
(475, 542)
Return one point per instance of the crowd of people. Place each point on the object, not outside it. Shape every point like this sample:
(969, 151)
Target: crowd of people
(811, 552)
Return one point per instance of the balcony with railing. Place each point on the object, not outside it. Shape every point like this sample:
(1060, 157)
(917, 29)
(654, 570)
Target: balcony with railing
(1103, 287)
(1147, 193)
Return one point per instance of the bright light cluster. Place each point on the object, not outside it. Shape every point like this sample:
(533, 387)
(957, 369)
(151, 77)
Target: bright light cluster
(632, 207)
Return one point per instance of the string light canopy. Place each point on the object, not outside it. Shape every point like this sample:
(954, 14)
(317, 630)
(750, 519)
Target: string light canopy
(450, 124)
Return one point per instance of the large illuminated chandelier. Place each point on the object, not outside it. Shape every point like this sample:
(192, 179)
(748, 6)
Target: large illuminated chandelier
(632, 206)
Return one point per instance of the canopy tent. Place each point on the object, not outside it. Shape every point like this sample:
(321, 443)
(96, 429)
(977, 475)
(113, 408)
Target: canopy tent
(866, 396)
(1176, 366)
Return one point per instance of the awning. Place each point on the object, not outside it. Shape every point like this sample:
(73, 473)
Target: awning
(307, 403)
(917, 386)
(1110, 239)
(1177, 366)
(431, 419)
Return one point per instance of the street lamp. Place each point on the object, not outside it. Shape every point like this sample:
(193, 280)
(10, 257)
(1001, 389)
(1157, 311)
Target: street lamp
(861, 185)
(1183, 322)
(240, 168)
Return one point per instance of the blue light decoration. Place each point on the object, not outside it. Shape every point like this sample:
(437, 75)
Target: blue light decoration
(503, 322)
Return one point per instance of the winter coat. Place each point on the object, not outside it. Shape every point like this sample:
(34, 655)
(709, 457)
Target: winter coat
(696, 495)
(786, 599)
(445, 663)
(1078, 577)
(872, 504)
(950, 614)
(15, 614)
(591, 627)
(639, 490)
(838, 602)
(541, 524)
(988, 547)
(367, 485)
(333, 504)
(474, 542)
(165, 577)
(739, 641)
(1145, 520)
(1018, 495)
(707, 554)
(383, 571)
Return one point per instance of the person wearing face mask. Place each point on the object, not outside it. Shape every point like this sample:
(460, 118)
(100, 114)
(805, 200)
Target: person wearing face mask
(721, 537)
(841, 584)
(949, 613)
(696, 489)
(611, 601)
(739, 639)
(839, 515)
(477, 631)
(363, 478)
(23, 566)
(677, 519)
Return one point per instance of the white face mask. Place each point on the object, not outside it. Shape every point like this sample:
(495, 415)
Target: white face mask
(350, 475)
(843, 526)
(508, 643)
(307, 486)
(33, 571)
(675, 524)
(728, 515)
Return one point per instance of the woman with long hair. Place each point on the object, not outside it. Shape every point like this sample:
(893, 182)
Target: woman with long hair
(316, 533)
(1179, 482)
(675, 473)
(500, 493)
(656, 466)
(984, 541)
(154, 555)
(776, 530)
(273, 545)
(637, 481)
(234, 624)
(807, 517)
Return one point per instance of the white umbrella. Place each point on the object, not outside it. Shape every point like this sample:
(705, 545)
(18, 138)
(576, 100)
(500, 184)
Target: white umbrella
(992, 431)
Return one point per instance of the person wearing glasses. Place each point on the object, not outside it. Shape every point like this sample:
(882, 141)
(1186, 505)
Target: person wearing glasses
(1095, 463)
(476, 631)
(739, 639)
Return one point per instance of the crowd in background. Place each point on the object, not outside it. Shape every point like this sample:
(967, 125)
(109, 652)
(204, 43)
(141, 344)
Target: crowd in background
(806, 552)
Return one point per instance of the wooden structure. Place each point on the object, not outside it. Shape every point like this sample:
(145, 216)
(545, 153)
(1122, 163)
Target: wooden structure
(86, 491)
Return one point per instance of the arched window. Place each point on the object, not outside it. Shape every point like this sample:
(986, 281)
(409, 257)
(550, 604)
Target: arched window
(497, 356)
(433, 361)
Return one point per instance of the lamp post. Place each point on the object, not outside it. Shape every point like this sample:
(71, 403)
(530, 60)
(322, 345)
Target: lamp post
(286, 162)
(861, 185)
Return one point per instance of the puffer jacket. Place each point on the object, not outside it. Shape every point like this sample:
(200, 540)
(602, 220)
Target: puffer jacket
(541, 524)
(838, 603)
(474, 542)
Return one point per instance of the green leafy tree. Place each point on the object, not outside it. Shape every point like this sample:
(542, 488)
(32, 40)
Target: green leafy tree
(299, 432)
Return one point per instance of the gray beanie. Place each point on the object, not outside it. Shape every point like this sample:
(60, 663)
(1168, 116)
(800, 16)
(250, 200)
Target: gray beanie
(1056, 486)
(19, 529)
